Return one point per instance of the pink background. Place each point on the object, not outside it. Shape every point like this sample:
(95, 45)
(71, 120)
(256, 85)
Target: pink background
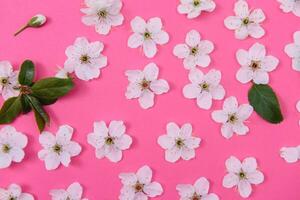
(104, 99)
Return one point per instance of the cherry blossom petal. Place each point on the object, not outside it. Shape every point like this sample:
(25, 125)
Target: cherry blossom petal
(260, 77)
(196, 76)
(296, 36)
(161, 37)
(257, 52)
(153, 189)
(186, 130)
(269, 63)
(116, 128)
(244, 75)
(116, 20)
(296, 64)
(172, 129)
(203, 60)
(146, 99)
(241, 8)
(149, 48)
(135, 40)
(227, 131)
(257, 16)
(204, 100)
(75, 191)
(15, 190)
(159, 86)
(202, 186)
(190, 62)
(192, 38)
(26, 196)
(185, 190)
(290, 154)
(230, 180)
(233, 22)
(296, 9)
(244, 188)
(103, 28)
(5, 160)
(65, 159)
(123, 142)
(165, 141)
(181, 51)
(243, 58)
(211, 196)
(255, 177)
(114, 155)
(233, 165)
(219, 116)
(249, 164)
(241, 33)
(206, 47)
(73, 148)
(64, 134)
(154, 25)
(192, 142)
(47, 139)
(17, 154)
(230, 105)
(100, 128)
(128, 178)
(6, 69)
(138, 25)
(52, 161)
(144, 175)
(240, 128)
(244, 111)
(133, 91)
(256, 31)
(187, 153)
(218, 92)
(173, 154)
(292, 50)
(191, 91)
(87, 73)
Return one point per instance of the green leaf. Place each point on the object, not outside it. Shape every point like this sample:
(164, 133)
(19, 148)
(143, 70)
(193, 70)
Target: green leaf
(46, 101)
(52, 88)
(41, 115)
(26, 74)
(10, 110)
(265, 103)
(25, 104)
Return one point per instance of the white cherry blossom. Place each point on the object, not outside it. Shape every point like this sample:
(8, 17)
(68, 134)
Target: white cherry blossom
(298, 109)
(58, 149)
(8, 81)
(195, 51)
(145, 84)
(242, 175)
(194, 8)
(246, 22)
(109, 141)
(103, 14)
(255, 64)
(14, 192)
(290, 6)
(290, 154)
(147, 35)
(232, 117)
(204, 87)
(12, 144)
(293, 51)
(138, 186)
(73, 192)
(179, 142)
(85, 59)
(198, 191)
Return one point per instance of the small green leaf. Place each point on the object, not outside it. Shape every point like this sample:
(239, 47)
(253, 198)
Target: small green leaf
(265, 103)
(46, 101)
(25, 104)
(52, 88)
(10, 110)
(26, 74)
(41, 115)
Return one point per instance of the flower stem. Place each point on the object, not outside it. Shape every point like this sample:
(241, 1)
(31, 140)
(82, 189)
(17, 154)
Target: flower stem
(21, 29)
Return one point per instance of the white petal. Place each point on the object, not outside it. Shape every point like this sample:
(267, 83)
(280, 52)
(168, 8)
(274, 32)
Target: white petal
(296, 64)
(257, 16)
(114, 155)
(230, 105)
(133, 91)
(257, 52)
(138, 25)
(73, 148)
(241, 33)
(193, 38)
(289, 154)
(241, 8)
(154, 25)
(244, 111)
(128, 178)
(26, 196)
(64, 134)
(153, 189)
(184, 8)
(244, 75)
(190, 62)
(211, 196)
(116, 20)
(103, 28)
(75, 191)
(159, 86)
(204, 100)
(206, 47)
(173, 154)
(226, 131)
(123, 142)
(185, 190)
(15, 190)
(292, 50)
(58, 194)
(5, 160)
(52, 161)
(151, 72)
(194, 13)
(218, 92)
(192, 142)
(100, 129)
(249, 164)
(146, 99)
(255, 177)
(260, 77)
(208, 5)
(186, 130)
(187, 153)
(100, 152)
(196, 76)
(47, 139)
(296, 36)
(244, 188)
(219, 116)
(144, 174)
(9, 91)
(296, 10)
(116, 128)
(191, 91)
(202, 186)
(230, 180)
(5, 69)
(161, 37)
(149, 48)
(233, 22)
(269, 63)
(135, 40)
(298, 106)
(181, 51)
(233, 165)
(165, 141)
(243, 58)
(256, 31)
(240, 128)
(173, 130)
(213, 77)
(17, 154)
(65, 159)
(203, 60)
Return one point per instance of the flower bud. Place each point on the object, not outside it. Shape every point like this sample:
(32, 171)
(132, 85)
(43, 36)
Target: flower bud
(37, 20)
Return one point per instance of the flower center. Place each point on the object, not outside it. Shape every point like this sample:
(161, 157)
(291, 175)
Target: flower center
(179, 142)
(3, 81)
(242, 175)
(145, 84)
(194, 51)
(109, 140)
(102, 13)
(196, 197)
(255, 65)
(138, 187)
(84, 59)
(12, 198)
(246, 21)
(204, 86)
(57, 148)
(6, 148)
(147, 35)
(196, 2)
(232, 118)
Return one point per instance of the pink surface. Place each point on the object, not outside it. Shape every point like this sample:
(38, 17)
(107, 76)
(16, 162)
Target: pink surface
(104, 99)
